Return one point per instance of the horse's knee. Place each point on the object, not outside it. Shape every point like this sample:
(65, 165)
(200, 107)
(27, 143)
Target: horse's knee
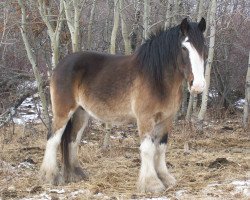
(164, 138)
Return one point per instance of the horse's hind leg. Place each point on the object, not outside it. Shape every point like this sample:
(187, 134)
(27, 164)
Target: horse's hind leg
(72, 171)
(49, 170)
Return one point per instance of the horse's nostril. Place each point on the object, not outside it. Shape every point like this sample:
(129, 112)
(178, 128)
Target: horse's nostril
(191, 83)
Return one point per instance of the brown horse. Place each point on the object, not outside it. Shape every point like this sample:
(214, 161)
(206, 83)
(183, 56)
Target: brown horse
(145, 87)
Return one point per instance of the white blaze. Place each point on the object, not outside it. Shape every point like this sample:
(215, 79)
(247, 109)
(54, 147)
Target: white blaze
(197, 65)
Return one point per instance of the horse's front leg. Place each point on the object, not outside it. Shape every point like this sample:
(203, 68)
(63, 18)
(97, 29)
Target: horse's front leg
(148, 178)
(161, 138)
(160, 162)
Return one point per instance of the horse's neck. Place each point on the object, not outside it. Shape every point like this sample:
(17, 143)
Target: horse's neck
(174, 82)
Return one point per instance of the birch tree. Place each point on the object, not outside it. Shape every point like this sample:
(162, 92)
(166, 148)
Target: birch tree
(146, 17)
(92, 13)
(246, 115)
(33, 61)
(53, 31)
(73, 13)
(169, 10)
(176, 8)
(125, 35)
(115, 27)
(135, 26)
(203, 108)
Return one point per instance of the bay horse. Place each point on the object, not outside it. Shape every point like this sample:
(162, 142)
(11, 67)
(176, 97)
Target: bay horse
(145, 87)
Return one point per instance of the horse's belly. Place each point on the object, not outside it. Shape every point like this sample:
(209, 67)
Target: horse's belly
(111, 116)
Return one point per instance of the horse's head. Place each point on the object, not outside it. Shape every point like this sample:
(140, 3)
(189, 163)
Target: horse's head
(193, 54)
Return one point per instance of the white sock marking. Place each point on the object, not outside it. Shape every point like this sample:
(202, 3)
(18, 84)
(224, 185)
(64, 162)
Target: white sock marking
(160, 162)
(49, 160)
(197, 64)
(147, 158)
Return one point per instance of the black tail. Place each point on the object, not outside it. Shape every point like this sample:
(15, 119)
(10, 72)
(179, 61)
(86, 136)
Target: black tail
(65, 145)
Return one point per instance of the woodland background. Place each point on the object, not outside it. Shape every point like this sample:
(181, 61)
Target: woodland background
(34, 35)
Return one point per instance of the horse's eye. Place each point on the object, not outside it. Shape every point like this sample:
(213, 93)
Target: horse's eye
(184, 48)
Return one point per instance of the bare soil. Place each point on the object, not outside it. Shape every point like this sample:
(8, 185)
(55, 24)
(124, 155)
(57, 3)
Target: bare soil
(217, 158)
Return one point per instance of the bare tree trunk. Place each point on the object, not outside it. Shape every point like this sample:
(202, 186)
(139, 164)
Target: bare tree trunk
(176, 11)
(246, 115)
(115, 27)
(125, 35)
(200, 10)
(92, 13)
(33, 62)
(208, 18)
(135, 26)
(106, 141)
(54, 33)
(72, 12)
(203, 109)
(169, 13)
(184, 105)
(146, 19)
(190, 107)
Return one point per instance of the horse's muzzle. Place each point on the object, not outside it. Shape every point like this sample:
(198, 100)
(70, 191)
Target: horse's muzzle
(196, 87)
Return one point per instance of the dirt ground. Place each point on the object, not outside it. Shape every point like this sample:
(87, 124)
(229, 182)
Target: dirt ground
(217, 167)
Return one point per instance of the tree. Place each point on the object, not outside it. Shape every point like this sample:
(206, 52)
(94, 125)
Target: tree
(246, 116)
(169, 11)
(146, 17)
(92, 13)
(73, 13)
(115, 27)
(125, 35)
(33, 62)
(53, 31)
(203, 108)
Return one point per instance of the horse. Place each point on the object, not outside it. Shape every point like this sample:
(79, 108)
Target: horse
(144, 87)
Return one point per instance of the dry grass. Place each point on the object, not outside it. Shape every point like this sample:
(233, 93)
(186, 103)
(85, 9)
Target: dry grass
(114, 172)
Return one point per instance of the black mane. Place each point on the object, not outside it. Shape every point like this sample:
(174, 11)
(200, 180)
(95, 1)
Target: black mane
(160, 52)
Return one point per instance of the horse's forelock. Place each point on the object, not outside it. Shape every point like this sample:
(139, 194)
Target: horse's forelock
(196, 38)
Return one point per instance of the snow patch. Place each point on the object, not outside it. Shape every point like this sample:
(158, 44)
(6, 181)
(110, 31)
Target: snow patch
(242, 187)
(240, 103)
(28, 111)
(213, 93)
(57, 191)
(26, 165)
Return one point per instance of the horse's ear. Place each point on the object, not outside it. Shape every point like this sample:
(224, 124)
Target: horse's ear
(184, 26)
(202, 25)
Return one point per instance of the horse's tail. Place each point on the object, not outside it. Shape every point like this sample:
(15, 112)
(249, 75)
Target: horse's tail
(65, 145)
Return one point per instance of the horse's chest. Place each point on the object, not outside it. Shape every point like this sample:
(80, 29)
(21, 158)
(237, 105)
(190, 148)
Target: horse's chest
(172, 106)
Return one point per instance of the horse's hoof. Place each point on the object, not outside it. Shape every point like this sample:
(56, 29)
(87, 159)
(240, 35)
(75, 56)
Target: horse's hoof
(168, 180)
(76, 175)
(151, 185)
(51, 177)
